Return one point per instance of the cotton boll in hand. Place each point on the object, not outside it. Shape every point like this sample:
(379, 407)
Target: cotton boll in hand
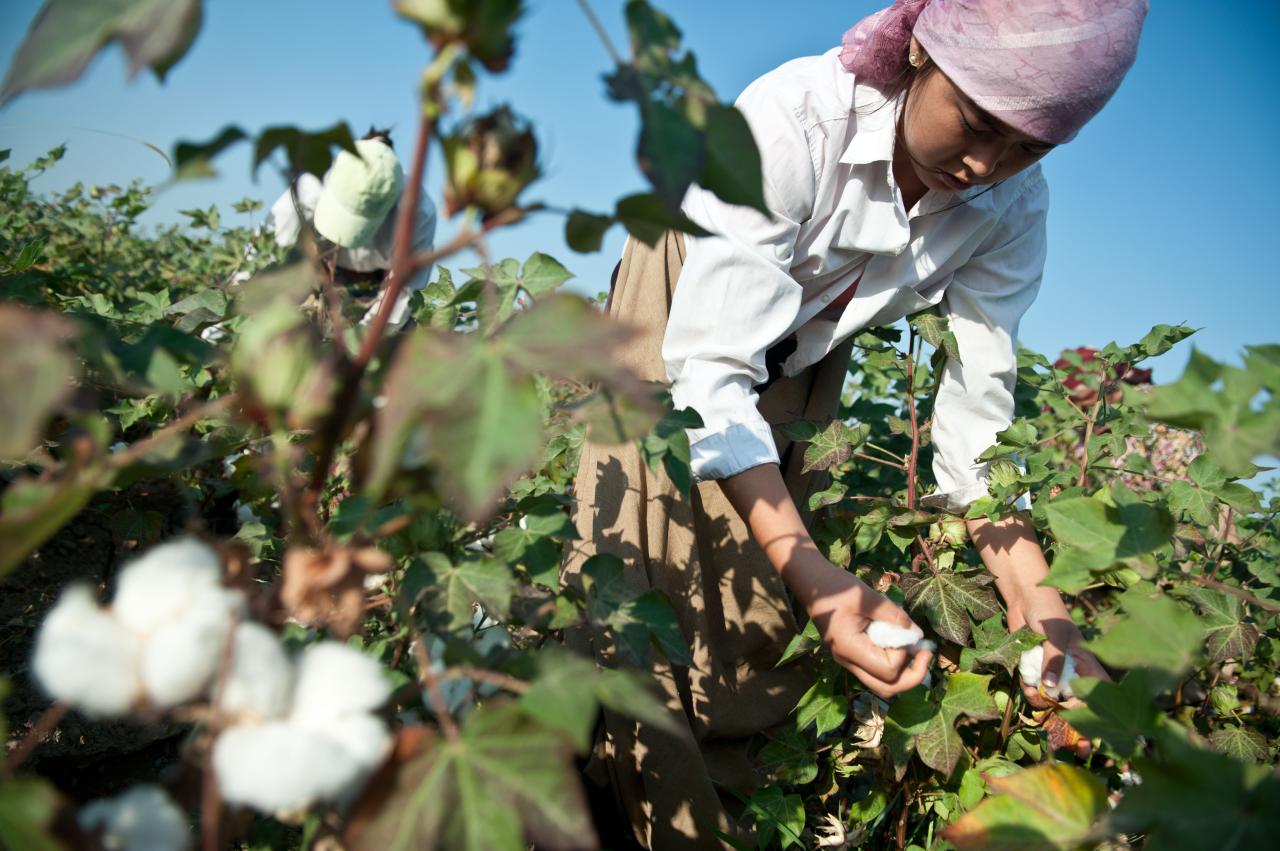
(164, 582)
(1031, 664)
(891, 636)
(260, 680)
(84, 657)
(279, 767)
(141, 819)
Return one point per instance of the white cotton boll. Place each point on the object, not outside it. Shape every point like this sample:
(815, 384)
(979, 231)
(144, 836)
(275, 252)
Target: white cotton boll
(890, 635)
(163, 582)
(180, 658)
(1031, 663)
(279, 767)
(260, 681)
(335, 680)
(141, 819)
(85, 657)
(365, 740)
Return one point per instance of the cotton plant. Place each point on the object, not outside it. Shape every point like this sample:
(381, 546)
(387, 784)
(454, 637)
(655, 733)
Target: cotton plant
(298, 733)
(159, 642)
(143, 818)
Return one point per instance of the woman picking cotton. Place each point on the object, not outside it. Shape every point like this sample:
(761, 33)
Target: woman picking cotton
(352, 211)
(900, 171)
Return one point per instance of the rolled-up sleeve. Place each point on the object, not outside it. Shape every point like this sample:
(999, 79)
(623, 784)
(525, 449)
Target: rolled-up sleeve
(984, 303)
(736, 295)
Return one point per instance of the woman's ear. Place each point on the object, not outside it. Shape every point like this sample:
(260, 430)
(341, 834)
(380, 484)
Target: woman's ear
(916, 54)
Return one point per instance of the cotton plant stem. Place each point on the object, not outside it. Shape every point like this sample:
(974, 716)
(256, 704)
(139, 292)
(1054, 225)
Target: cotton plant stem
(1088, 432)
(600, 31)
(331, 430)
(510, 683)
(431, 682)
(1210, 582)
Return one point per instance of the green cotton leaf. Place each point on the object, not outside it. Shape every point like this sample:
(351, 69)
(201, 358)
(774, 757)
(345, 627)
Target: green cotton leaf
(1121, 714)
(542, 274)
(994, 645)
(452, 589)
(638, 619)
(670, 151)
(909, 715)
(938, 743)
(1264, 362)
(789, 758)
(800, 644)
(1156, 633)
(27, 256)
(777, 815)
(1195, 502)
(1106, 534)
(537, 545)
(731, 168)
(67, 34)
(506, 782)
(32, 511)
(1162, 338)
(1192, 798)
(1240, 743)
(647, 217)
(1040, 808)
(936, 331)
(1205, 473)
(584, 232)
(948, 599)
(834, 445)
(1229, 635)
(308, 151)
(28, 806)
(822, 707)
(39, 369)
(568, 690)
(1240, 497)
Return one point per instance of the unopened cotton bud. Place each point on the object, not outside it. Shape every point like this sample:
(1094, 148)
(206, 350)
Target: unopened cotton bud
(335, 680)
(279, 767)
(141, 819)
(180, 658)
(162, 583)
(1031, 663)
(260, 679)
(84, 657)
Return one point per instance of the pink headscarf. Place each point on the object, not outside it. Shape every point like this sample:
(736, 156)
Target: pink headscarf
(1044, 67)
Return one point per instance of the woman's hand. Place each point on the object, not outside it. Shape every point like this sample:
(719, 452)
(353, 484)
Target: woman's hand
(1042, 609)
(842, 607)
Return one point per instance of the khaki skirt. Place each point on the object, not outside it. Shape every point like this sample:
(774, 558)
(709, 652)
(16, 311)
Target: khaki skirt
(732, 607)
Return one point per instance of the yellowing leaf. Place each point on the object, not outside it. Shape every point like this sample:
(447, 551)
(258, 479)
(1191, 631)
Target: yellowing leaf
(1045, 807)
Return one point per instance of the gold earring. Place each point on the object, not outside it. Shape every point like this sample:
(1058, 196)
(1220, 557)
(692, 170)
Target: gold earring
(915, 59)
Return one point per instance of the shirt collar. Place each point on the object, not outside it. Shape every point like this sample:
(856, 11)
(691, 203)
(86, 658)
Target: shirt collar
(875, 125)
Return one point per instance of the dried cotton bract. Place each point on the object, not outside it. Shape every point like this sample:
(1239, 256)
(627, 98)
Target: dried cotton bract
(318, 744)
(162, 637)
(141, 819)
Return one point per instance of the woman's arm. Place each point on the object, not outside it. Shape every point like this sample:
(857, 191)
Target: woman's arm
(840, 604)
(1012, 554)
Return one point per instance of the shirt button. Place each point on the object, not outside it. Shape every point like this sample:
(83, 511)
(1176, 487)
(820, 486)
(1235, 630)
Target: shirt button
(826, 299)
(899, 249)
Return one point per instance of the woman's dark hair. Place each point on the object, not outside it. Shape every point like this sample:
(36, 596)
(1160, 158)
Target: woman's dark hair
(383, 136)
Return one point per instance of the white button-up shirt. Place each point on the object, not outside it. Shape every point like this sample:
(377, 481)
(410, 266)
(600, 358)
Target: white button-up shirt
(826, 143)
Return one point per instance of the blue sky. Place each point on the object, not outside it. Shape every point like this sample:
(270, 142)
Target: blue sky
(1162, 209)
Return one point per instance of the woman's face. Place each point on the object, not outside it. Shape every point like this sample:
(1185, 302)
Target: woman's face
(953, 144)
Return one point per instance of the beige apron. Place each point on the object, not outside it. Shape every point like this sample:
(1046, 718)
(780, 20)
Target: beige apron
(733, 609)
